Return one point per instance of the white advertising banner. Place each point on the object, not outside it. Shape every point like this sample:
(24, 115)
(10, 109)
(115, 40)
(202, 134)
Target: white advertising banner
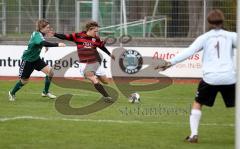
(10, 60)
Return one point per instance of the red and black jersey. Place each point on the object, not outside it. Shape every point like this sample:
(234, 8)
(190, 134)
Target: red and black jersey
(86, 46)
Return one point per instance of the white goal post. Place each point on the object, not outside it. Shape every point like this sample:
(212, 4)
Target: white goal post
(237, 114)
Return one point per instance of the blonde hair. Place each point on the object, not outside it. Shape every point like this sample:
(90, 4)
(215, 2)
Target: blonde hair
(91, 25)
(40, 24)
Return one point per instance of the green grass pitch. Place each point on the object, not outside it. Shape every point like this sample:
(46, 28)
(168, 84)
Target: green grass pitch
(160, 121)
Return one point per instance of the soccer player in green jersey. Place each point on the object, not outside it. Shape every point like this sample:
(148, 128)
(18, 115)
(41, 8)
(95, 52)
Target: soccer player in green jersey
(31, 60)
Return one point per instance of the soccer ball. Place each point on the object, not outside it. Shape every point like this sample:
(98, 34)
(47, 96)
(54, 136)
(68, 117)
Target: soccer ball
(134, 98)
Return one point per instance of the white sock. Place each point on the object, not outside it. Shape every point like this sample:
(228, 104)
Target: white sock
(194, 121)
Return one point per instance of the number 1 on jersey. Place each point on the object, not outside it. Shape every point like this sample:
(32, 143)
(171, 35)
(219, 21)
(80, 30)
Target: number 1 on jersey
(217, 47)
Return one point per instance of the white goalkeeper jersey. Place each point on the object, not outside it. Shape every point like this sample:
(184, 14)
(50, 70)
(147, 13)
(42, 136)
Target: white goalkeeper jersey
(217, 62)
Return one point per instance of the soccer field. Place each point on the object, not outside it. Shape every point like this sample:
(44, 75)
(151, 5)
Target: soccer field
(160, 121)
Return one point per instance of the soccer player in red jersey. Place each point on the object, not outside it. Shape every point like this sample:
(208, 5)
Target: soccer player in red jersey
(87, 44)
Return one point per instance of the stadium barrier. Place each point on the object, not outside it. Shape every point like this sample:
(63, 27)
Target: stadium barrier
(11, 57)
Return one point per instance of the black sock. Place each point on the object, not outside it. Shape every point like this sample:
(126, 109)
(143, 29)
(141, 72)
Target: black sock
(17, 87)
(101, 90)
(47, 84)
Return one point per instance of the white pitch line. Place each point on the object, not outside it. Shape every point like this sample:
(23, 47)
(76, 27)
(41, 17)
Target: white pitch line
(5, 119)
(84, 94)
(39, 93)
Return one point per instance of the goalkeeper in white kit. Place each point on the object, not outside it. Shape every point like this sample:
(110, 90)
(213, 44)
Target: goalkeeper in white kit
(218, 68)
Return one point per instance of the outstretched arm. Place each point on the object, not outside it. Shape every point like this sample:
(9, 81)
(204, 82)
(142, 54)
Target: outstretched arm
(104, 49)
(64, 37)
(196, 46)
(50, 44)
(69, 37)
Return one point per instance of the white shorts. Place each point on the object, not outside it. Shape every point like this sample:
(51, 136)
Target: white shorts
(96, 68)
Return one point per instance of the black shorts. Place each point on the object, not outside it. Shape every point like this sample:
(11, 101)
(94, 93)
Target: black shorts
(26, 68)
(206, 94)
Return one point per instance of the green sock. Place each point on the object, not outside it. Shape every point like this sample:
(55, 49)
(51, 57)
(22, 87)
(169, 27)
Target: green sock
(47, 84)
(17, 87)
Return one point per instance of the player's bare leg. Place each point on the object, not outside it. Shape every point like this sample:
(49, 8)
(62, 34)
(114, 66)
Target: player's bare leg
(17, 87)
(103, 79)
(49, 74)
(93, 78)
(195, 117)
